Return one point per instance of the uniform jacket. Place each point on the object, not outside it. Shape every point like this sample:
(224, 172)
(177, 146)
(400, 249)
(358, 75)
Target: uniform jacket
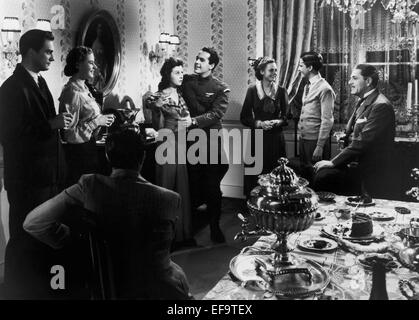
(207, 100)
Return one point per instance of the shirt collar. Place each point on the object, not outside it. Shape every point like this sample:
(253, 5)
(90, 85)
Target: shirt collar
(124, 173)
(261, 93)
(315, 79)
(33, 75)
(368, 93)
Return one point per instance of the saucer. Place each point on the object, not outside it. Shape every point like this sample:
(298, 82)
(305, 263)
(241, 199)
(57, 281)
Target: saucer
(318, 245)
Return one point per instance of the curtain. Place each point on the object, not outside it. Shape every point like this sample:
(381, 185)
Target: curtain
(288, 26)
(369, 38)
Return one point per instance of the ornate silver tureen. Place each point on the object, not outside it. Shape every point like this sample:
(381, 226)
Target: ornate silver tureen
(282, 204)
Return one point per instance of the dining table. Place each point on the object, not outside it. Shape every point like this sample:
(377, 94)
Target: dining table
(349, 278)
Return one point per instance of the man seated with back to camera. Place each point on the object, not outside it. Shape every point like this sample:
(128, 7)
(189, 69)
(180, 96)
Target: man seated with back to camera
(136, 217)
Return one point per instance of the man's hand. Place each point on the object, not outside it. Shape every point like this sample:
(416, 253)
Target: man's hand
(151, 133)
(318, 154)
(185, 122)
(323, 165)
(61, 121)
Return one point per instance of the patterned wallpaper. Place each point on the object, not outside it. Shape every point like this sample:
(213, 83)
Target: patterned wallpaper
(28, 21)
(65, 41)
(120, 21)
(231, 27)
(251, 36)
(217, 35)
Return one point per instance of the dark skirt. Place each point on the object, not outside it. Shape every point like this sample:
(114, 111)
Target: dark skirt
(81, 159)
(273, 150)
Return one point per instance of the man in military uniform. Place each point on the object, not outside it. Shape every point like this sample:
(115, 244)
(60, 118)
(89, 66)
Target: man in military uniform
(207, 100)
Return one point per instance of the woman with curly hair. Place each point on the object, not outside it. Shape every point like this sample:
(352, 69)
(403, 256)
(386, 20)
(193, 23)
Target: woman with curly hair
(265, 108)
(171, 113)
(76, 99)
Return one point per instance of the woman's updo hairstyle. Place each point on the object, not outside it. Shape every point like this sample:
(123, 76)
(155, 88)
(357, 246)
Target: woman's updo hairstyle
(260, 64)
(75, 56)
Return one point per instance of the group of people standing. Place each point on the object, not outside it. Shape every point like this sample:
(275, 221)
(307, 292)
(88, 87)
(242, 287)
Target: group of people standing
(364, 163)
(31, 133)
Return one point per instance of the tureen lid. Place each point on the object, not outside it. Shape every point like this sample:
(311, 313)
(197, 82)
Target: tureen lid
(282, 179)
(284, 175)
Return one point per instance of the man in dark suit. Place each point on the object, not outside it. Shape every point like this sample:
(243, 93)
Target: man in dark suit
(207, 100)
(136, 218)
(370, 140)
(33, 160)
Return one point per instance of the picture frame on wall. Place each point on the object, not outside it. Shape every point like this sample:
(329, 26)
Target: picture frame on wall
(100, 32)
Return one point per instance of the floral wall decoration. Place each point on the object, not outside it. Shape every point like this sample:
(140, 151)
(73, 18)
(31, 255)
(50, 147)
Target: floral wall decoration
(28, 22)
(181, 27)
(251, 37)
(217, 34)
(120, 20)
(65, 41)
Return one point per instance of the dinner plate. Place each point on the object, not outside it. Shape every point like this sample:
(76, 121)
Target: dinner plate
(317, 245)
(359, 204)
(243, 267)
(326, 196)
(365, 261)
(402, 210)
(381, 216)
(345, 227)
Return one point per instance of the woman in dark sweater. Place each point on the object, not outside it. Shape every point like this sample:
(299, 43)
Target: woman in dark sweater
(265, 108)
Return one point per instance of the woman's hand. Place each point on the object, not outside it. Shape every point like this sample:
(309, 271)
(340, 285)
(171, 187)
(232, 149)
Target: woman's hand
(161, 100)
(266, 125)
(277, 122)
(106, 120)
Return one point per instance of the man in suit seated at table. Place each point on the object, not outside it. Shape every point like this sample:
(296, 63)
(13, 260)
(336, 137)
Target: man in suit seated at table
(369, 141)
(137, 220)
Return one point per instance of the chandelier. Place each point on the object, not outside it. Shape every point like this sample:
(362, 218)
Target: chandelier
(353, 7)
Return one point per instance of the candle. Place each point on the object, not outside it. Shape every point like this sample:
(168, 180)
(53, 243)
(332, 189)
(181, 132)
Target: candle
(409, 97)
(416, 92)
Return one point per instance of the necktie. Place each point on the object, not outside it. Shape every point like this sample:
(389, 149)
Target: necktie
(358, 108)
(355, 116)
(307, 89)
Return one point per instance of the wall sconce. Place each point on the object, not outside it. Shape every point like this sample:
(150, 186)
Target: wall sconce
(251, 61)
(44, 24)
(10, 33)
(166, 47)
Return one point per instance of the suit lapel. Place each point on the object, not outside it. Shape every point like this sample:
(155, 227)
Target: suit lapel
(43, 102)
(368, 101)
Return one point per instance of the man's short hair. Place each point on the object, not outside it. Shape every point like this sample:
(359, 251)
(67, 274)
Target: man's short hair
(125, 149)
(34, 39)
(369, 71)
(313, 59)
(214, 58)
